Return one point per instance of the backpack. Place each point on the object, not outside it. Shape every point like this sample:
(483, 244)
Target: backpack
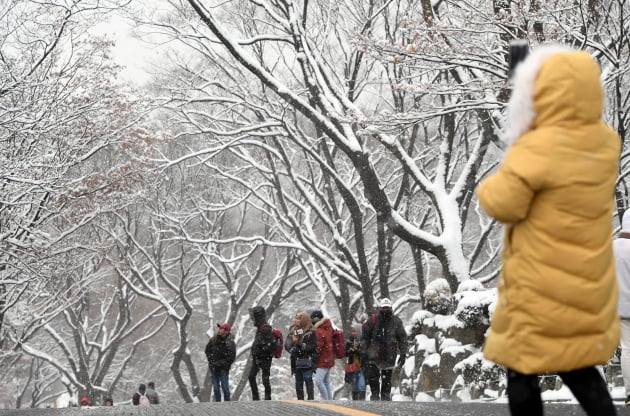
(144, 400)
(279, 345)
(373, 319)
(339, 343)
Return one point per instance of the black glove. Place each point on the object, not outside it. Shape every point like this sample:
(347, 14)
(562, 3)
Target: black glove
(401, 361)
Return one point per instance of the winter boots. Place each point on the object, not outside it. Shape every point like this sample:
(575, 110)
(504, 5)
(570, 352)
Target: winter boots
(358, 395)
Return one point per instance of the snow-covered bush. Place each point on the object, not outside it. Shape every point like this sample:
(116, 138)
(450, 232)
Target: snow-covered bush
(480, 374)
(438, 298)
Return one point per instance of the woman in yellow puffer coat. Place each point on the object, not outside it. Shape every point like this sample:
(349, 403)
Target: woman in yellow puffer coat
(556, 308)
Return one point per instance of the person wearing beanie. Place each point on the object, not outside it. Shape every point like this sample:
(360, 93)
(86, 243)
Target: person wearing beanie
(325, 356)
(316, 316)
(621, 248)
(354, 370)
(383, 339)
(301, 344)
(556, 310)
(221, 352)
(262, 349)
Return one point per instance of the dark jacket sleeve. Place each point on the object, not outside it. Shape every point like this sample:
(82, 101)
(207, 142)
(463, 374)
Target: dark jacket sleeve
(370, 353)
(366, 334)
(401, 338)
(231, 353)
(210, 354)
(136, 399)
(348, 349)
(288, 341)
(311, 345)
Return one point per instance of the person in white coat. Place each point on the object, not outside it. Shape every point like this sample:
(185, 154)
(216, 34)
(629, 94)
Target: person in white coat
(621, 247)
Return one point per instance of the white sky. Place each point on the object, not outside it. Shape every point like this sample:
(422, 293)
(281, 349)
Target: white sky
(131, 53)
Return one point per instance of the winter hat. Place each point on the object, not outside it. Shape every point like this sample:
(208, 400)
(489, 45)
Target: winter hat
(258, 315)
(625, 222)
(316, 316)
(227, 327)
(385, 303)
(85, 401)
(520, 110)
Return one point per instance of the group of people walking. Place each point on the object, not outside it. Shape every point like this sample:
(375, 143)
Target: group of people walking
(374, 349)
(557, 309)
(146, 395)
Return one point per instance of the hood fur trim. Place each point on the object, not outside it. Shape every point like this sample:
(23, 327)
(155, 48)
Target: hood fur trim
(520, 110)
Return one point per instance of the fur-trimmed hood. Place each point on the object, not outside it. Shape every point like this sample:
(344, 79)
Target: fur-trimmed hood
(556, 309)
(554, 85)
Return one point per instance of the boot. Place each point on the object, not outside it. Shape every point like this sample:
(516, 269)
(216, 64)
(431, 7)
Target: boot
(300, 393)
(254, 387)
(355, 395)
(361, 395)
(310, 392)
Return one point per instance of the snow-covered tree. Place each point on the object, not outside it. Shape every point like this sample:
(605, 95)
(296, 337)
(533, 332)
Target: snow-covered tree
(362, 128)
(72, 149)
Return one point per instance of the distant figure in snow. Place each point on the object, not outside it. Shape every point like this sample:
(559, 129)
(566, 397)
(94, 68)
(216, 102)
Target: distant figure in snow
(383, 339)
(621, 247)
(325, 355)
(354, 366)
(262, 349)
(140, 397)
(154, 398)
(221, 352)
(302, 347)
(557, 303)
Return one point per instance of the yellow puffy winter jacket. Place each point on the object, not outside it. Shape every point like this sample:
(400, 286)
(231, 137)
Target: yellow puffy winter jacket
(557, 296)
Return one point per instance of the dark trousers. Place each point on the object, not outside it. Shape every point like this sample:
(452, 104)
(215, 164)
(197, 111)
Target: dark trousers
(221, 381)
(586, 384)
(253, 372)
(380, 382)
(304, 376)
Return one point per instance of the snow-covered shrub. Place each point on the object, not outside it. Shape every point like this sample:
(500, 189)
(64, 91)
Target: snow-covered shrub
(473, 302)
(480, 374)
(438, 298)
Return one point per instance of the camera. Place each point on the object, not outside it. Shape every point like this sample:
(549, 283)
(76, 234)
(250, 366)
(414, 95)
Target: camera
(519, 49)
(299, 332)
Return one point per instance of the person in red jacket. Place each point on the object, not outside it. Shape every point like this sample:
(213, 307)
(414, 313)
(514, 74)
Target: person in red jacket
(326, 358)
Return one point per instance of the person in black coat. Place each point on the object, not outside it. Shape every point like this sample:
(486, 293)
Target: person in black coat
(221, 352)
(383, 339)
(262, 348)
(302, 345)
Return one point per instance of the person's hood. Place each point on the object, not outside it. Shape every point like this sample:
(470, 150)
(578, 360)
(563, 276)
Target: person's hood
(554, 86)
(324, 324)
(258, 315)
